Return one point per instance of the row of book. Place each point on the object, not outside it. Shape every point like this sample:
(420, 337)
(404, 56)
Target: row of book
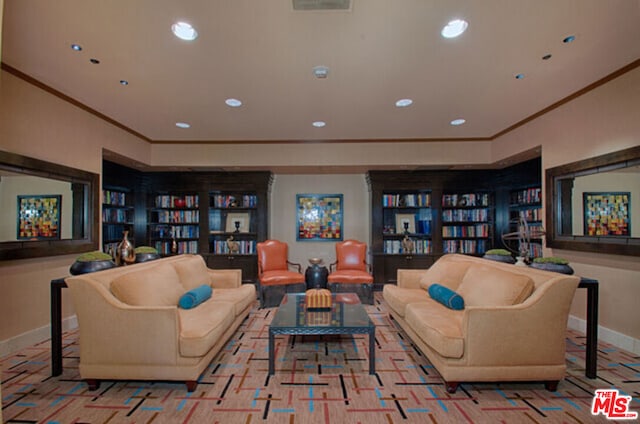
(245, 247)
(117, 216)
(465, 246)
(479, 230)
(229, 201)
(177, 217)
(164, 247)
(175, 231)
(394, 247)
(419, 200)
(464, 200)
(527, 196)
(113, 198)
(465, 215)
(169, 201)
(113, 232)
(528, 214)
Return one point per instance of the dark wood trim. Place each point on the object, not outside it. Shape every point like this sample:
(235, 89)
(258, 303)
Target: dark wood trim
(622, 246)
(325, 141)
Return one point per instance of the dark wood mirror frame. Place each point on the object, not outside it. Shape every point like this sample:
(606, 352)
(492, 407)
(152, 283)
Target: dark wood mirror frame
(556, 212)
(86, 218)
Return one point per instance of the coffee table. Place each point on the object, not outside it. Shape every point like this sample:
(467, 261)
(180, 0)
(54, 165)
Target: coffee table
(346, 316)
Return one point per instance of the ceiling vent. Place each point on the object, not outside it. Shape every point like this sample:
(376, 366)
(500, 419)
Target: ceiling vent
(321, 4)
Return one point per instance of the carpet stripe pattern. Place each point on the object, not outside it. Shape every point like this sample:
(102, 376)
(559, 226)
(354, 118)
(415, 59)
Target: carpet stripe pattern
(321, 380)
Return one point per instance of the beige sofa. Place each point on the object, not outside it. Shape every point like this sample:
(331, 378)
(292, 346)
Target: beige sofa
(132, 329)
(512, 328)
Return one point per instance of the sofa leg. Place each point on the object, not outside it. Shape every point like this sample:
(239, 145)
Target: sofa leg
(191, 385)
(93, 384)
(451, 386)
(551, 386)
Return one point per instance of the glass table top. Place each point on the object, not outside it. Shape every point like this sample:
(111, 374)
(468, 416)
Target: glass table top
(346, 312)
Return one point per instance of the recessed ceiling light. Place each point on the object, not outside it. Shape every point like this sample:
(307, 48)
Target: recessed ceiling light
(320, 71)
(569, 39)
(94, 61)
(184, 31)
(183, 125)
(546, 56)
(458, 121)
(233, 102)
(404, 102)
(519, 76)
(319, 124)
(76, 47)
(124, 82)
(454, 28)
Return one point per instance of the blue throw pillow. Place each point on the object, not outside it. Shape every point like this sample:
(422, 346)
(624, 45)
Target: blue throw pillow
(194, 297)
(446, 296)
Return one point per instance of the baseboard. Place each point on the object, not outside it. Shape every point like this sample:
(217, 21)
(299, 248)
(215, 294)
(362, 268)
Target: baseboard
(30, 338)
(619, 340)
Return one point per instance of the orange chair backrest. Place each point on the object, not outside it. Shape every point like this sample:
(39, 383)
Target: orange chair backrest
(351, 255)
(272, 255)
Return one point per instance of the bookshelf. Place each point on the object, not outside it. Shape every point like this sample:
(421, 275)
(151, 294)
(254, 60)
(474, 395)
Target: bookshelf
(527, 202)
(174, 223)
(117, 217)
(467, 222)
(226, 210)
(410, 209)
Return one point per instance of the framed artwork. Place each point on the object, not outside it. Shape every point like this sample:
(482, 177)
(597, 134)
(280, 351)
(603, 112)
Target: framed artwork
(607, 214)
(319, 217)
(39, 217)
(405, 218)
(237, 221)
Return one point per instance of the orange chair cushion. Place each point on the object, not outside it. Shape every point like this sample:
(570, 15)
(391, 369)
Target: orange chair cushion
(272, 255)
(276, 278)
(350, 277)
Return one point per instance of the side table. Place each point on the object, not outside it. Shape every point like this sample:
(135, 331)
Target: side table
(56, 325)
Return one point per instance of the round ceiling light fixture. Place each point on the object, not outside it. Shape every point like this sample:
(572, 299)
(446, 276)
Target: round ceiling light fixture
(319, 124)
(404, 102)
(124, 82)
(454, 28)
(183, 125)
(458, 121)
(94, 61)
(569, 39)
(233, 102)
(519, 76)
(76, 47)
(184, 31)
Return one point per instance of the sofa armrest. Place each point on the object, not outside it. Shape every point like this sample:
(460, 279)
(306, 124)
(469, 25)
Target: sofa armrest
(410, 278)
(225, 278)
(532, 332)
(112, 332)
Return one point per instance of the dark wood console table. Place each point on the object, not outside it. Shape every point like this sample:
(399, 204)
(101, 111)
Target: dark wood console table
(585, 283)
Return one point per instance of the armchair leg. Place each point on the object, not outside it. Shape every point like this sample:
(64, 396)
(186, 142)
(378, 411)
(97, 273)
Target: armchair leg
(93, 384)
(191, 385)
(451, 386)
(551, 386)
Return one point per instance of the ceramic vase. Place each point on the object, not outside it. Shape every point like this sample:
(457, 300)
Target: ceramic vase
(125, 254)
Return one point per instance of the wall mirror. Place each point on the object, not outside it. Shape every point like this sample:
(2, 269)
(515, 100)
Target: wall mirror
(594, 205)
(47, 209)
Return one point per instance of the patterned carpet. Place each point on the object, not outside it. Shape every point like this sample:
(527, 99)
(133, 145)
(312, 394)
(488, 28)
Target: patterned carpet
(317, 381)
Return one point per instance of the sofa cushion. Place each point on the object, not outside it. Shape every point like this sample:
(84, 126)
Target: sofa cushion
(192, 271)
(241, 297)
(484, 285)
(446, 296)
(399, 297)
(202, 327)
(446, 272)
(154, 286)
(438, 326)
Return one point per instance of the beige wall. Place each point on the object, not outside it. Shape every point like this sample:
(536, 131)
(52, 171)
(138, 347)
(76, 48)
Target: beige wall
(602, 121)
(37, 124)
(283, 212)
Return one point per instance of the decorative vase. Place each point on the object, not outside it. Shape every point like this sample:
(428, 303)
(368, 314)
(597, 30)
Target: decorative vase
(125, 254)
(520, 261)
(316, 275)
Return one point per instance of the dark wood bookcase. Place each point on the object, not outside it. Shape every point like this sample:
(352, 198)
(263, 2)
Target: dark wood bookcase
(451, 211)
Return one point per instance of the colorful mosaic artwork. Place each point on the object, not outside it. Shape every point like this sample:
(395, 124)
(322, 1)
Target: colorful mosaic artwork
(317, 380)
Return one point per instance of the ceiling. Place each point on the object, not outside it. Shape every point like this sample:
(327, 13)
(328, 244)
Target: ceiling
(263, 52)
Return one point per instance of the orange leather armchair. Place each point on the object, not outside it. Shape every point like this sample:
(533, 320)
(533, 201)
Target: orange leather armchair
(274, 276)
(351, 272)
